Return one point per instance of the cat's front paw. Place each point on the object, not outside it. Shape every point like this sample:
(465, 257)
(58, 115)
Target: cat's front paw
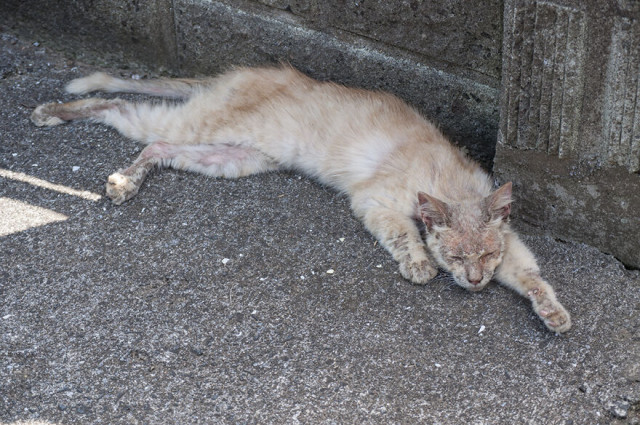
(552, 313)
(121, 188)
(417, 271)
(42, 116)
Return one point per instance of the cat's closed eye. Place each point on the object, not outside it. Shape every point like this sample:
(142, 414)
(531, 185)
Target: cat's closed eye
(489, 255)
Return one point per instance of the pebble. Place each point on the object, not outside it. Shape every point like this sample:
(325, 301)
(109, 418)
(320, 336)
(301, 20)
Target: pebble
(620, 409)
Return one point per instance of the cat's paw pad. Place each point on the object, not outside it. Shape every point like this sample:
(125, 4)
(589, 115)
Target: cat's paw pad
(41, 116)
(552, 313)
(121, 188)
(419, 272)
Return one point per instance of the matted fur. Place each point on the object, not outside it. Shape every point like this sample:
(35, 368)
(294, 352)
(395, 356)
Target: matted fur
(394, 164)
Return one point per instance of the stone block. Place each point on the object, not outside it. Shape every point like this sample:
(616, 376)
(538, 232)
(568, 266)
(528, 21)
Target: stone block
(466, 36)
(570, 80)
(462, 37)
(556, 196)
(569, 133)
(120, 30)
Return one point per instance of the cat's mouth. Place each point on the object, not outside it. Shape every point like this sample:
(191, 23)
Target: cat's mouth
(477, 287)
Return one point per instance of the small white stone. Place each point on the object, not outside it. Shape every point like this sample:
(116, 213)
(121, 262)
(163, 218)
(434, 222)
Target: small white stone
(75, 168)
(482, 328)
(379, 266)
(330, 271)
(341, 239)
(225, 260)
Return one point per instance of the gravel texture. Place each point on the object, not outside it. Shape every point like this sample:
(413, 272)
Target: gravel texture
(206, 301)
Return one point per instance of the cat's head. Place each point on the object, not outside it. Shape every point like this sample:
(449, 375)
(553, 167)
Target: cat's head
(467, 239)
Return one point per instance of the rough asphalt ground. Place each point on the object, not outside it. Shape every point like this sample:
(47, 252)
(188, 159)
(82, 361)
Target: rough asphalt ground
(211, 301)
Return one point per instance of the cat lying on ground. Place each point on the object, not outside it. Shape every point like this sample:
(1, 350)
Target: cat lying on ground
(394, 164)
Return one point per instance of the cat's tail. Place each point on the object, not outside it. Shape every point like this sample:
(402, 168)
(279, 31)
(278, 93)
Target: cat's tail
(166, 87)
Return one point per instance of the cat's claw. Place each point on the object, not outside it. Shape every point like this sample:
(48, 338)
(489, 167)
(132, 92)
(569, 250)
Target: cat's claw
(419, 272)
(43, 118)
(552, 313)
(121, 188)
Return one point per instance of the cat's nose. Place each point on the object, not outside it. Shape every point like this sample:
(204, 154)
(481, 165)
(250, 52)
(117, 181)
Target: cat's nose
(475, 281)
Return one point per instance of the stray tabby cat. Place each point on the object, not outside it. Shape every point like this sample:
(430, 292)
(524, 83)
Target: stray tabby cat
(397, 168)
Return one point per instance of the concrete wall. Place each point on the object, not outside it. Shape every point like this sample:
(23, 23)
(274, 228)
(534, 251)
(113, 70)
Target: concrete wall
(409, 48)
(570, 119)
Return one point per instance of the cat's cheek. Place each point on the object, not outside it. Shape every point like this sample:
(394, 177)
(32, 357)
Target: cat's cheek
(492, 267)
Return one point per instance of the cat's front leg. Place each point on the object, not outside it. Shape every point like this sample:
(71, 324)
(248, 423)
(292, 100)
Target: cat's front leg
(401, 237)
(125, 184)
(520, 272)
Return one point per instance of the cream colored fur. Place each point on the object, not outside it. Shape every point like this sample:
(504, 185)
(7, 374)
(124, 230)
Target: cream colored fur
(393, 163)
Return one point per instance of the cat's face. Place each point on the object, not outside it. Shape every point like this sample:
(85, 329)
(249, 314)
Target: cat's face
(467, 239)
(471, 255)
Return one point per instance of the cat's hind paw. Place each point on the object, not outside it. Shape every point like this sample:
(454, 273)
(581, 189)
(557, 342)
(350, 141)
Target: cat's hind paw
(42, 117)
(418, 272)
(121, 188)
(552, 313)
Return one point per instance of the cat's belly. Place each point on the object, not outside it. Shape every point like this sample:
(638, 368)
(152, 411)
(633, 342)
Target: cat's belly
(332, 160)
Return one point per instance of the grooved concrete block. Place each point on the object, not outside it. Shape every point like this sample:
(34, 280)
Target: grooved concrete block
(213, 35)
(569, 133)
(570, 80)
(544, 65)
(622, 95)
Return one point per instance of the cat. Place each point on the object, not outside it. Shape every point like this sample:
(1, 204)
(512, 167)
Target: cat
(396, 166)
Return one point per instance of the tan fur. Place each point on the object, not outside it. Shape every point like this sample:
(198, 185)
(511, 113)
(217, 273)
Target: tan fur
(393, 163)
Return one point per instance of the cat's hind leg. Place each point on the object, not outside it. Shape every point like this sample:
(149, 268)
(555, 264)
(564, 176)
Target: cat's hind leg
(50, 114)
(166, 87)
(221, 160)
(145, 122)
(520, 272)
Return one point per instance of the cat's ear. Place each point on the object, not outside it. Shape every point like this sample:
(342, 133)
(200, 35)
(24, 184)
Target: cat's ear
(433, 212)
(498, 204)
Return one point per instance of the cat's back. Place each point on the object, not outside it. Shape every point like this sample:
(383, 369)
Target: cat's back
(338, 133)
(343, 136)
